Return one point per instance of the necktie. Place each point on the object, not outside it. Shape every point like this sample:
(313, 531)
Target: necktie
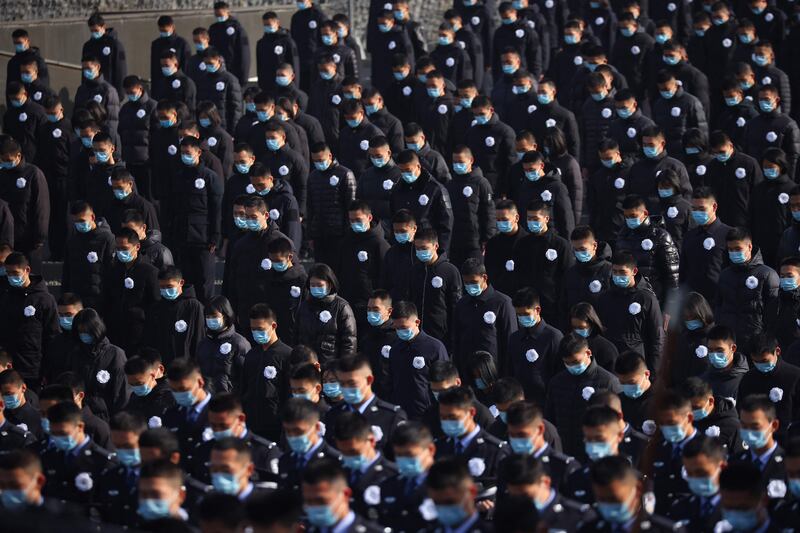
(707, 507)
(411, 484)
(459, 448)
(299, 461)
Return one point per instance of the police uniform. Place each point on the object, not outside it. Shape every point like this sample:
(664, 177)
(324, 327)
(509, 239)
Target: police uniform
(291, 464)
(74, 475)
(14, 438)
(773, 470)
(563, 514)
(668, 480)
(381, 415)
(403, 504)
(365, 485)
(482, 451)
(697, 513)
(647, 522)
(187, 423)
(265, 455)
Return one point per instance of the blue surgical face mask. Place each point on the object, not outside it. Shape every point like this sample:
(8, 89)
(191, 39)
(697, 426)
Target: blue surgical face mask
(737, 257)
(384, 28)
(627, 32)
(577, 369)
(153, 508)
(170, 293)
(125, 256)
(424, 255)
(788, 284)
(53, 118)
(700, 217)
(141, 390)
(444, 41)
(299, 444)
(450, 515)
(460, 168)
(211, 68)
(243, 168)
(26, 77)
(509, 69)
(632, 390)
(65, 322)
(754, 438)
(718, 359)
(319, 292)
(280, 266)
(129, 456)
(16, 281)
(766, 106)
(732, 101)
(359, 227)
(741, 520)
(64, 443)
(583, 332)
(188, 160)
(570, 38)
(374, 318)
(667, 95)
(693, 325)
(408, 177)
(102, 157)
(327, 40)
(379, 162)
(794, 487)
(121, 194)
(89, 73)
(352, 395)
(405, 334)
(521, 445)
(225, 482)
(665, 193)
(168, 123)
(765, 368)
(722, 157)
(597, 450)
(332, 389)
(544, 98)
(760, 60)
(399, 76)
(796, 216)
(409, 467)
(20, 47)
(453, 428)
(674, 433)
(402, 238)
(473, 289)
(745, 38)
(633, 222)
(624, 112)
(482, 119)
(214, 323)
(533, 175)
(651, 151)
(184, 398)
(204, 122)
(771, 173)
(250, 107)
(661, 38)
(320, 516)
(322, 166)
(273, 145)
(261, 336)
(354, 462)
(526, 321)
(86, 338)
(608, 163)
(263, 116)
(353, 122)
(270, 28)
(83, 226)
(621, 281)
(12, 401)
(7, 165)
(598, 97)
(534, 226)
(699, 414)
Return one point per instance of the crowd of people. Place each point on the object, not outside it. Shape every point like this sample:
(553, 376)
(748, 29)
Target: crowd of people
(542, 274)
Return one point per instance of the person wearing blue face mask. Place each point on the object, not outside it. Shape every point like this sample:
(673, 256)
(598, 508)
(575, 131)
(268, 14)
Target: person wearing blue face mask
(500, 248)
(228, 36)
(346, 62)
(168, 43)
(300, 421)
(770, 129)
(220, 86)
(515, 33)
(677, 111)
(160, 492)
(23, 52)
(450, 58)
(631, 121)
(676, 208)
(388, 39)
(22, 118)
(231, 467)
(274, 49)
(744, 502)
(18, 411)
(746, 288)
(704, 458)
(416, 141)
(377, 338)
(771, 200)
(473, 207)
(655, 251)
(189, 417)
(492, 142)
(89, 251)
(149, 396)
(453, 491)
(104, 44)
(354, 139)
(766, 73)
(389, 124)
(548, 186)
(631, 370)
(24, 481)
(631, 306)
(532, 345)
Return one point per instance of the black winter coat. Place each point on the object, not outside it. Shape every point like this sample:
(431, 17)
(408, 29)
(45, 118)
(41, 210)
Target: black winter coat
(534, 358)
(703, 256)
(265, 386)
(222, 88)
(361, 261)
(179, 88)
(540, 117)
(552, 191)
(111, 53)
(272, 50)
(375, 186)
(642, 179)
(135, 121)
(175, 327)
(655, 252)
(53, 148)
(628, 134)
(785, 377)
(103, 92)
(435, 290)
(130, 291)
(102, 368)
(585, 282)
(220, 356)
(230, 38)
(328, 326)
(398, 264)
(354, 145)
(774, 130)
(409, 362)
(492, 145)
(594, 122)
(86, 257)
(725, 381)
(329, 195)
(25, 190)
(429, 201)
(607, 188)
(771, 215)
(677, 115)
(23, 124)
(734, 183)
(29, 323)
(473, 210)
(285, 211)
(196, 218)
(499, 263)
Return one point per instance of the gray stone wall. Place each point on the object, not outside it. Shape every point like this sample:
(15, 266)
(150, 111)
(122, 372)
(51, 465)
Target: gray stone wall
(429, 11)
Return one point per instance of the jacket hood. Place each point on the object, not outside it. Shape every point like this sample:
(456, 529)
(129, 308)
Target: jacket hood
(724, 408)
(603, 251)
(38, 284)
(153, 235)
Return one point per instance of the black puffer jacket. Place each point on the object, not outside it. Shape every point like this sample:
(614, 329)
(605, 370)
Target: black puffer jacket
(642, 178)
(223, 90)
(492, 144)
(360, 265)
(329, 195)
(540, 117)
(774, 130)
(220, 143)
(86, 257)
(25, 190)
(655, 252)
(606, 189)
(221, 359)
(272, 50)
(109, 50)
(584, 282)
(628, 134)
(104, 93)
(135, 121)
(473, 210)
(594, 123)
(328, 326)
(747, 299)
(435, 289)
(552, 191)
(102, 368)
(429, 201)
(678, 114)
(26, 332)
(354, 145)
(771, 214)
(175, 327)
(690, 358)
(375, 187)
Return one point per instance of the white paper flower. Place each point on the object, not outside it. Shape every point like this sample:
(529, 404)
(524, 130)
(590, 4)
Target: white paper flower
(551, 254)
(476, 466)
(635, 308)
(23, 426)
(392, 45)
(103, 376)
(577, 60)
(772, 136)
(550, 123)
(128, 283)
(294, 291)
(266, 264)
(225, 348)
(740, 173)
(207, 435)
(647, 245)
(631, 133)
(619, 183)
(751, 282)
(649, 427)
(325, 316)
(220, 86)
(775, 394)
(546, 196)
(29, 310)
(172, 149)
(364, 144)
(418, 362)
(181, 326)
(450, 62)
(436, 282)
(475, 21)
(274, 214)
(741, 122)
(510, 265)
(21, 182)
(386, 351)
(489, 141)
(595, 286)
(92, 257)
(776, 488)
(672, 212)
(334, 181)
(154, 422)
(362, 256)
(427, 510)
(467, 191)
(675, 111)
(57, 133)
(599, 21)
(783, 198)
(442, 109)
(709, 243)
(231, 30)
(212, 141)
(378, 432)
(701, 351)
(423, 199)
(532, 355)
(336, 99)
(84, 482)
(489, 317)
(712, 431)
(606, 112)
(727, 43)
(387, 185)
(372, 494)
(587, 393)
(270, 372)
